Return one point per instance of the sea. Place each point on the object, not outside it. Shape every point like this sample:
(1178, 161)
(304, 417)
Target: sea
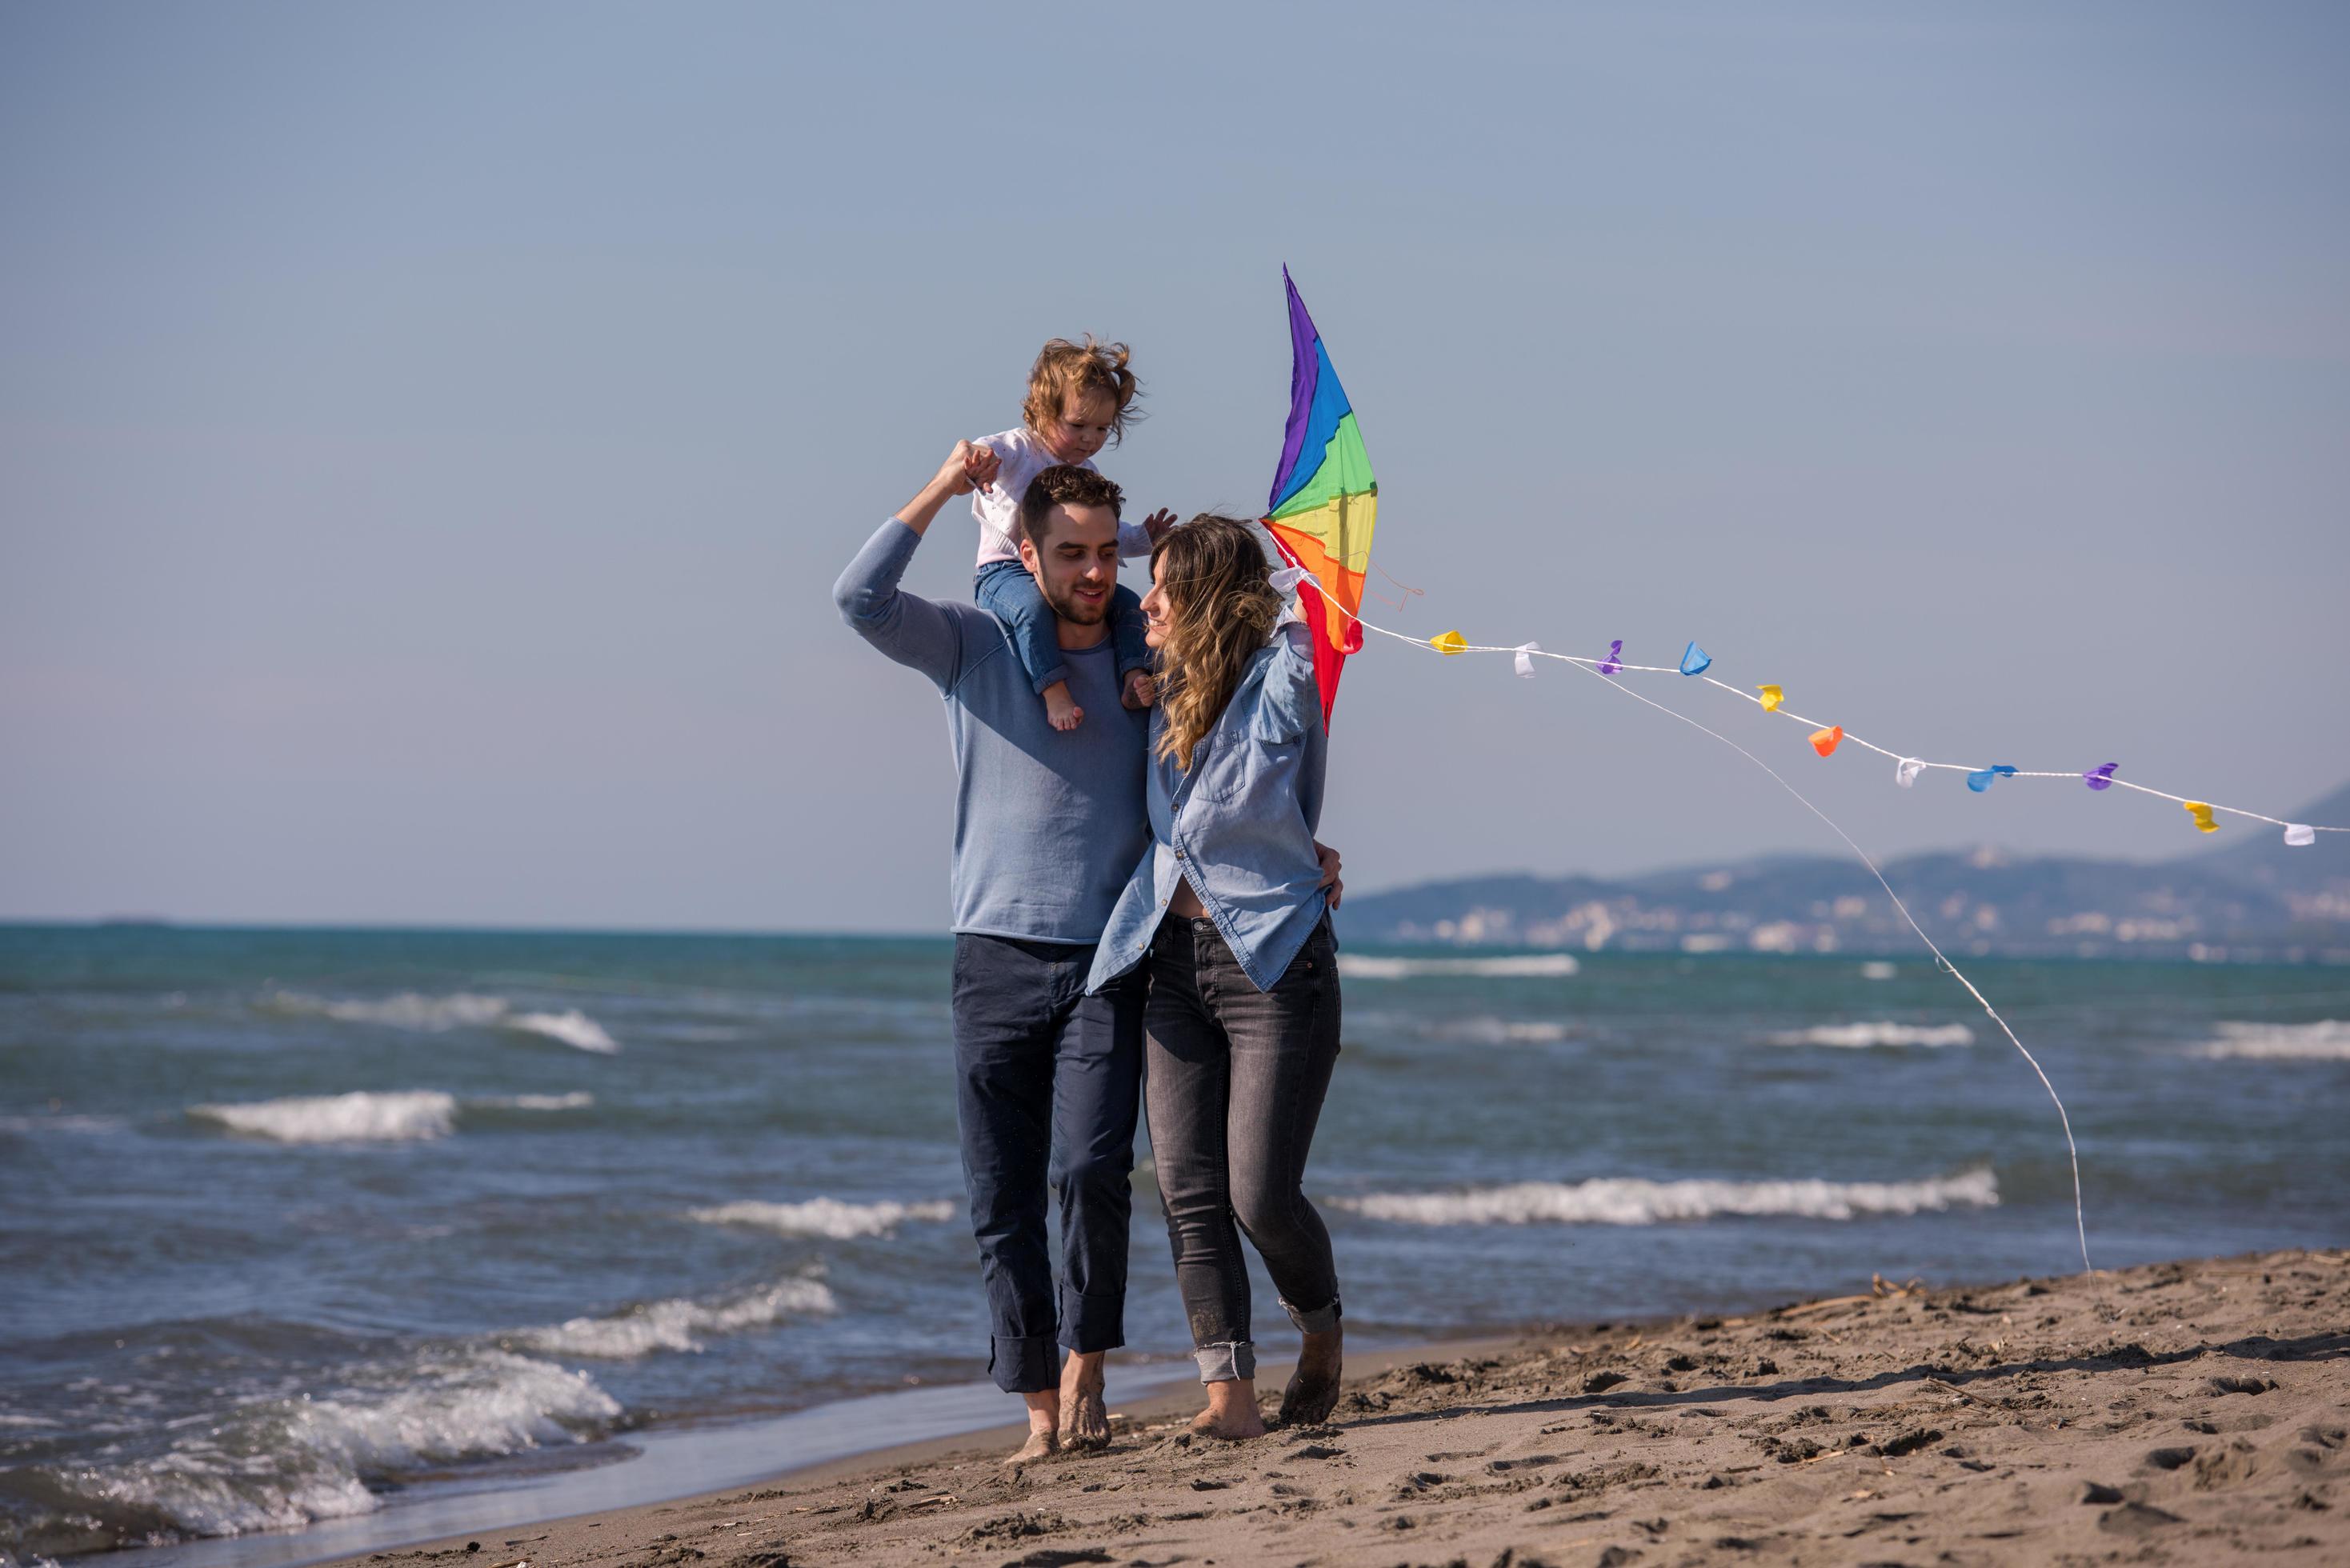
(321, 1241)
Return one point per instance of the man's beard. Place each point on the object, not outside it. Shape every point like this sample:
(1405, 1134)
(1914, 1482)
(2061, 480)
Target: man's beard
(1064, 604)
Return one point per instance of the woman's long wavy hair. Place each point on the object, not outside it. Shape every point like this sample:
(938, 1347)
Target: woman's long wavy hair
(1221, 607)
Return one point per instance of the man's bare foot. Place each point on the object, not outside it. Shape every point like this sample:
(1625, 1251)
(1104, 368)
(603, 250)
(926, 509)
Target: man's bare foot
(1044, 1420)
(1084, 1412)
(1061, 710)
(1232, 1413)
(1313, 1391)
(1141, 691)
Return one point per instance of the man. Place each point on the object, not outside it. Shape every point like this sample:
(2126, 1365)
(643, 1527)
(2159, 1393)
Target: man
(1048, 826)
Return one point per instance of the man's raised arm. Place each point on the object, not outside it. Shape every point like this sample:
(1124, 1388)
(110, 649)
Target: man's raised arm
(906, 627)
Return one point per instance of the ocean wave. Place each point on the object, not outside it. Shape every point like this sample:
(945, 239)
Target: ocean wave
(1629, 1201)
(282, 1463)
(824, 1217)
(1527, 966)
(676, 1324)
(2327, 1040)
(577, 1100)
(574, 1028)
(402, 1117)
(1862, 1037)
(437, 1015)
(1502, 1032)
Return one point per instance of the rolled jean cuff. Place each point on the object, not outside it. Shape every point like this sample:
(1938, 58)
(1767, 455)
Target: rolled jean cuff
(1052, 676)
(1028, 1365)
(1089, 1323)
(1321, 1320)
(1225, 1363)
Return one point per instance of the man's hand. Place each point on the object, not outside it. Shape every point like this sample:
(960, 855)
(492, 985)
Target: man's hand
(970, 467)
(1158, 522)
(1331, 866)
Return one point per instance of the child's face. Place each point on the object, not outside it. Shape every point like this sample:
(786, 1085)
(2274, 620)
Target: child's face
(1083, 427)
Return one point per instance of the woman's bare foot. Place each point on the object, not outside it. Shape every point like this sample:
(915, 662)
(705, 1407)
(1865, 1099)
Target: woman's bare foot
(1141, 691)
(1232, 1413)
(1313, 1391)
(1084, 1412)
(1061, 710)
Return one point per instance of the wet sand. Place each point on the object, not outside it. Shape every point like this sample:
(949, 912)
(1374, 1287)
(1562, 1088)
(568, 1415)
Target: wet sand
(2188, 1413)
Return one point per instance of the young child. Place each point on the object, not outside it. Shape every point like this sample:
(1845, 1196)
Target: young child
(1079, 399)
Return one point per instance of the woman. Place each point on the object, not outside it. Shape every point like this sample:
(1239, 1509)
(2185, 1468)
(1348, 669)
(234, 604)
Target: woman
(1227, 910)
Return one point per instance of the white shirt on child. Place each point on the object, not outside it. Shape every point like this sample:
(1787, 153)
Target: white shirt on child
(1024, 455)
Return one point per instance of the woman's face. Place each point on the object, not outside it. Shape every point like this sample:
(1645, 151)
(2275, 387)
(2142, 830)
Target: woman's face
(1156, 611)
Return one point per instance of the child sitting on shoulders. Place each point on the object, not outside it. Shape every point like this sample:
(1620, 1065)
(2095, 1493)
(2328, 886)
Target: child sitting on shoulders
(1079, 399)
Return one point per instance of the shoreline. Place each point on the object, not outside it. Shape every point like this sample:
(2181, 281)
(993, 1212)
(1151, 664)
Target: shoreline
(652, 1476)
(2193, 1407)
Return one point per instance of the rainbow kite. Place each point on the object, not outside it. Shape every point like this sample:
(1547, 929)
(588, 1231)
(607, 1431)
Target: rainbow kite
(1324, 499)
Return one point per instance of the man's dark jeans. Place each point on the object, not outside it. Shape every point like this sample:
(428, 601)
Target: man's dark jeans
(1236, 1081)
(1047, 1083)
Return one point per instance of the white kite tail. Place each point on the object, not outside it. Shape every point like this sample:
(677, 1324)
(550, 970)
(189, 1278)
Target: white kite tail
(1528, 652)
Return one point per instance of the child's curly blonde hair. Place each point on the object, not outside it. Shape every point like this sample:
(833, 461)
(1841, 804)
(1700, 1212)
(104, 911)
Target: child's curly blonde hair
(1064, 369)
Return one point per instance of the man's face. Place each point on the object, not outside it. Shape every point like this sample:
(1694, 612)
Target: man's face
(1075, 567)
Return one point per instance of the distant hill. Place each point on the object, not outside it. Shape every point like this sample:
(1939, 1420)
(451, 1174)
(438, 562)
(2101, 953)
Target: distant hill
(2254, 900)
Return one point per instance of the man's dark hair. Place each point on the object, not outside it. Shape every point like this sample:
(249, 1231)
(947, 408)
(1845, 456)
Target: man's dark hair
(1064, 484)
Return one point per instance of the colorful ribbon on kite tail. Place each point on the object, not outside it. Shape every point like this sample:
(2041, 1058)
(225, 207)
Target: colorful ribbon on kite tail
(1825, 738)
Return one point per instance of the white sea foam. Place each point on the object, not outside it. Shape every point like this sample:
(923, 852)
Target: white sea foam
(1503, 1032)
(824, 1217)
(402, 1117)
(676, 1324)
(2327, 1040)
(280, 1464)
(577, 1100)
(574, 1028)
(473, 1403)
(1629, 1201)
(462, 1010)
(1862, 1037)
(1877, 968)
(1526, 966)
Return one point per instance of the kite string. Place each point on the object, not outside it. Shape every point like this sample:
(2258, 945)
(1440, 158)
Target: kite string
(2080, 1219)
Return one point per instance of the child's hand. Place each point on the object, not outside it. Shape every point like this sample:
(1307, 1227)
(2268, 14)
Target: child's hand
(1158, 522)
(970, 467)
(981, 466)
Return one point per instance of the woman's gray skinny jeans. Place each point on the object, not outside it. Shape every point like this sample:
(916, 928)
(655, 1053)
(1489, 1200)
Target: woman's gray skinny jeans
(1233, 1080)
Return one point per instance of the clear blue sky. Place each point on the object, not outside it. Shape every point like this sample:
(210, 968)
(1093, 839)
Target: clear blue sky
(428, 433)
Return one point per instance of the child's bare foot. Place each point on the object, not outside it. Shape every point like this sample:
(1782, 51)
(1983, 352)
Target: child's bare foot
(1313, 1391)
(1141, 691)
(1061, 710)
(1085, 1414)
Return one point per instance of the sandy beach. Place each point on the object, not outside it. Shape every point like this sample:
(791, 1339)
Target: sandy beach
(2188, 1412)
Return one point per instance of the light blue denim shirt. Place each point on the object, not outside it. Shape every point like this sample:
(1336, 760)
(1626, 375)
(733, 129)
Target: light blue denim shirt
(1239, 825)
